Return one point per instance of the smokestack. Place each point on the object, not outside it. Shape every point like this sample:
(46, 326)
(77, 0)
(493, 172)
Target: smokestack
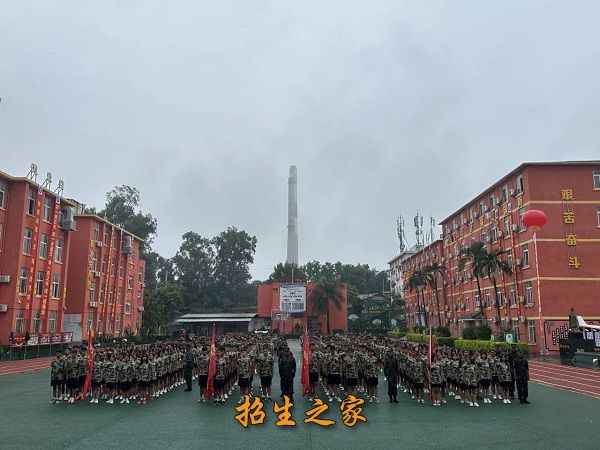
(292, 242)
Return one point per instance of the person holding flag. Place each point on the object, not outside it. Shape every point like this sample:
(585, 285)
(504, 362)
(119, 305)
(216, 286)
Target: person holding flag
(305, 376)
(212, 366)
(89, 369)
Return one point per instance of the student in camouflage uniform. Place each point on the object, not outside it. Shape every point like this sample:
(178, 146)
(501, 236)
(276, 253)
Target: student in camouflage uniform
(313, 372)
(97, 378)
(493, 361)
(371, 373)
(124, 372)
(485, 377)
(435, 381)
(72, 369)
(334, 371)
(110, 378)
(504, 376)
(57, 376)
(203, 361)
(219, 378)
(189, 368)
(143, 370)
(350, 371)
(471, 379)
(265, 371)
(245, 367)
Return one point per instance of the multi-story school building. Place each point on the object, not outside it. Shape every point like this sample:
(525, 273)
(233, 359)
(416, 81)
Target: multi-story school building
(47, 289)
(562, 272)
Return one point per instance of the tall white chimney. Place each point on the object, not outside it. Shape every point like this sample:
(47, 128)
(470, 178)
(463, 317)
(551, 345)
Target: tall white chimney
(292, 242)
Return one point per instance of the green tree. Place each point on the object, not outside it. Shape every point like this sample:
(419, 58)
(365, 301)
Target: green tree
(431, 274)
(162, 306)
(323, 294)
(286, 272)
(474, 254)
(492, 265)
(234, 252)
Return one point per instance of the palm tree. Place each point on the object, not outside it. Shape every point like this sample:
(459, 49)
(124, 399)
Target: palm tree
(430, 274)
(491, 265)
(474, 254)
(324, 292)
(416, 282)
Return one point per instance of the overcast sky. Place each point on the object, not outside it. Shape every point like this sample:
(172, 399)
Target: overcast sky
(385, 107)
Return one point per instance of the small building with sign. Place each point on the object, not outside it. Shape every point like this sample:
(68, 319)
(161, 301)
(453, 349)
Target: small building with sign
(287, 307)
(201, 324)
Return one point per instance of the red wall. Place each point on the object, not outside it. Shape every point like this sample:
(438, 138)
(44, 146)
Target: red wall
(268, 300)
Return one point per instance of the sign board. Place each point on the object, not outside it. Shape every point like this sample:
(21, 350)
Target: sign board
(509, 337)
(292, 298)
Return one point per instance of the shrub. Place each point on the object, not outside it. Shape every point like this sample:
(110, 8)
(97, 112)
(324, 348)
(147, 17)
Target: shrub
(415, 337)
(396, 333)
(442, 332)
(483, 332)
(469, 333)
(418, 328)
(476, 345)
(445, 340)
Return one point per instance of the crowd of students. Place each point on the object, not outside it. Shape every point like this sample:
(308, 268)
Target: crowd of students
(343, 364)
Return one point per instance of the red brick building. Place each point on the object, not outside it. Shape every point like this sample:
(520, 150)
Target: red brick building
(36, 229)
(269, 305)
(534, 300)
(105, 291)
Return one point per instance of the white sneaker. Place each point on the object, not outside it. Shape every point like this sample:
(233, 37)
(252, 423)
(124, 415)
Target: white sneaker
(471, 404)
(495, 397)
(122, 401)
(508, 401)
(330, 399)
(110, 402)
(476, 404)
(92, 401)
(127, 400)
(444, 400)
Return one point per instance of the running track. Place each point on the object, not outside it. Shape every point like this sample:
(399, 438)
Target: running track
(574, 379)
(581, 381)
(27, 365)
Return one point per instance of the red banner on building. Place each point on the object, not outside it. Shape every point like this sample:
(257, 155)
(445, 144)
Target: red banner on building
(34, 254)
(44, 339)
(117, 277)
(56, 338)
(67, 337)
(50, 259)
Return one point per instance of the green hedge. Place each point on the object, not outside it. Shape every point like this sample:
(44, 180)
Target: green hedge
(437, 340)
(489, 345)
(396, 333)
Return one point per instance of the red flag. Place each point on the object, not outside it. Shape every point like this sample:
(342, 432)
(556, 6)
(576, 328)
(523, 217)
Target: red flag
(305, 362)
(429, 353)
(212, 365)
(90, 365)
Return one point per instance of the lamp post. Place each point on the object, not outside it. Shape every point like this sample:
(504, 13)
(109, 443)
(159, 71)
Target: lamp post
(534, 219)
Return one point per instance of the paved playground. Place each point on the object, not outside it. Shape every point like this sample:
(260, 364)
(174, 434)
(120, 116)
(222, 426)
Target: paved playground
(555, 419)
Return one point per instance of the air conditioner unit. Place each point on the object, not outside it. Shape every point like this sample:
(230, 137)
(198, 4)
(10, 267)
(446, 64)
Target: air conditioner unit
(3, 307)
(486, 209)
(475, 215)
(140, 308)
(497, 201)
(518, 262)
(99, 244)
(512, 192)
(143, 285)
(514, 227)
(4, 278)
(521, 299)
(445, 283)
(97, 274)
(522, 319)
(94, 304)
(486, 240)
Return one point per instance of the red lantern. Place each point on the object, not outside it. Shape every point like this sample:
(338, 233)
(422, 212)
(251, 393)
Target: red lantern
(534, 219)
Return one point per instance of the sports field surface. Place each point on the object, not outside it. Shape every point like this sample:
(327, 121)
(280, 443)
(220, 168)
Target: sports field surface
(555, 419)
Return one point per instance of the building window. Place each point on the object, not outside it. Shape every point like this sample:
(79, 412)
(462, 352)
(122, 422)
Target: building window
(96, 231)
(2, 193)
(23, 280)
(504, 193)
(488, 298)
(499, 295)
(513, 298)
(115, 238)
(467, 301)
(481, 208)
(47, 213)
(52, 322)
(95, 261)
(99, 329)
(507, 224)
(92, 291)
(477, 300)
(39, 285)
(27, 241)
(121, 271)
(519, 184)
(90, 321)
(515, 328)
(104, 263)
(36, 321)
(491, 201)
(101, 294)
(127, 308)
(44, 246)
(120, 296)
(531, 331)
(529, 292)
(20, 321)
(117, 324)
(139, 300)
(108, 326)
(509, 258)
(58, 250)
(141, 276)
(31, 201)
(113, 262)
(525, 250)
(130, 282)
(596, 179)
(55, 285)
(105, 234)
(598, 214)
(111, 295)
(521, 214)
